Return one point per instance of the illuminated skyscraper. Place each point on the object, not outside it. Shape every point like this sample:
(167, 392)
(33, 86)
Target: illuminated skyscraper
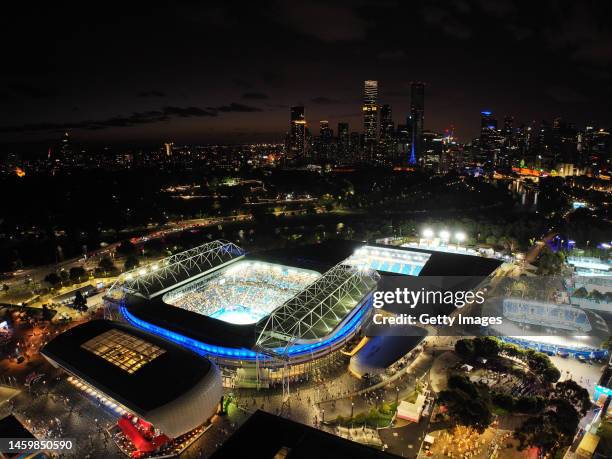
(325, 132)
(370, 112)
(323, 144)
(343, 140)
(489, 138)
(65, 147)
(386, 133)
(417, 117)
(297, 133)
(488, 126)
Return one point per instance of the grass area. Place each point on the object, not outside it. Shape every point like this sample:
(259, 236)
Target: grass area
(377, 417)
(498, 410)
(414, 394)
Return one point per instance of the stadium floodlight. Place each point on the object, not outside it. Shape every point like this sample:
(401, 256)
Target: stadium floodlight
(460, 236)
(428, 233)
(444, 235)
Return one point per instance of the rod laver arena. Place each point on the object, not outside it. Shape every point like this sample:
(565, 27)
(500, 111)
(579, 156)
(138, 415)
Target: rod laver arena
(274, 314)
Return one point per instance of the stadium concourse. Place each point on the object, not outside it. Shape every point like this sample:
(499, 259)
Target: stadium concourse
(273, 316)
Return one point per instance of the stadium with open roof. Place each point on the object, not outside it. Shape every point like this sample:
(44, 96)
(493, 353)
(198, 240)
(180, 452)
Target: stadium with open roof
(265, 315)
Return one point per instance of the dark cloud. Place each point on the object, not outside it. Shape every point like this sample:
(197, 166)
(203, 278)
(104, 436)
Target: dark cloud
(274, 79)
(237, 107)
(136, 118)
(519, 32)
(23, 89)
(584, 33)
(564, 94)
(152, 93)
(187, 112)
(447, 20)
(498, 8)
(457, 30)
(277, 105)
(323, 20)
(255, 96)
(322, 100)
(239, 82)
(393, 55)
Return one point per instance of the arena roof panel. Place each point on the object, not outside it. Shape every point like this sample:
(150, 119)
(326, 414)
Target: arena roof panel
(316, 311)
(166, 274)
(161, 380)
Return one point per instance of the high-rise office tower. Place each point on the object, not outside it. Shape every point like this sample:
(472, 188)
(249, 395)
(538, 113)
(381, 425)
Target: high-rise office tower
(343, 139)
(386, 133)
(325, 132)
(370, 116)
(417, 118)
(355, 145)
(65, 147)
(508, 125)
(488, 132)
(323, 143)
(297, 133)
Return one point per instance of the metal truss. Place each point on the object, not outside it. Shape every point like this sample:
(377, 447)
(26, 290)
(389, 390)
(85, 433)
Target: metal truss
(156, 278)
(314, 312)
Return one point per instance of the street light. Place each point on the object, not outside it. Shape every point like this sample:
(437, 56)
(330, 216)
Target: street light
(460, 236)
(352, 409)
(444, 235)
(428, 233)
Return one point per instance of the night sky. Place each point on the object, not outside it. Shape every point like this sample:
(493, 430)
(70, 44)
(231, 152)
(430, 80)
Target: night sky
(119, 73)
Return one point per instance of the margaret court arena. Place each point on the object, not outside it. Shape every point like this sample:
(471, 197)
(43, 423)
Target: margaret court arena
(270, 317)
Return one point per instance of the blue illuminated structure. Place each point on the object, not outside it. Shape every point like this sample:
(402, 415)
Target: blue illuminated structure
(412, 160)
(247, 354)
(553, 349)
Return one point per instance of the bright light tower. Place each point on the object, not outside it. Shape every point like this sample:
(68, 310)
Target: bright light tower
(460, 236)
(428, 233)
(444, 235)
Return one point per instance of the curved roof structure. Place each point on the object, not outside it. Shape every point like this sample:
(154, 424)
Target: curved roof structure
(157, 380)
(157, 278)
(319, 317)
(316, 311)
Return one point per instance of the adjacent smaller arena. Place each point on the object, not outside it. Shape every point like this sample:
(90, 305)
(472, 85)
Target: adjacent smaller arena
(161, 391)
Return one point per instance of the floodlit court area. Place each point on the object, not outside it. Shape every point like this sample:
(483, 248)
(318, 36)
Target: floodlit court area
(242, 293)
(390, 260)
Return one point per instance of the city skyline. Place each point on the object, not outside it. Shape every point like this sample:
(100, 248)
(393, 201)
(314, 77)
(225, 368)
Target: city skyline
(523, 69)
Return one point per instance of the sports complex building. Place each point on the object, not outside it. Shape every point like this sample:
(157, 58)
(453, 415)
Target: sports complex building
(271, 316)
(133, 374)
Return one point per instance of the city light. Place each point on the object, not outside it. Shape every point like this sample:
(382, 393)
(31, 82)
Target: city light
(460, 236)
(444, 235)
(428, 233)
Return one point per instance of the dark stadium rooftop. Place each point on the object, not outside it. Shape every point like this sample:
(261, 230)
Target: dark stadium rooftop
(11, 427)
(156, 383)
(321, 257)
(266, 436)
